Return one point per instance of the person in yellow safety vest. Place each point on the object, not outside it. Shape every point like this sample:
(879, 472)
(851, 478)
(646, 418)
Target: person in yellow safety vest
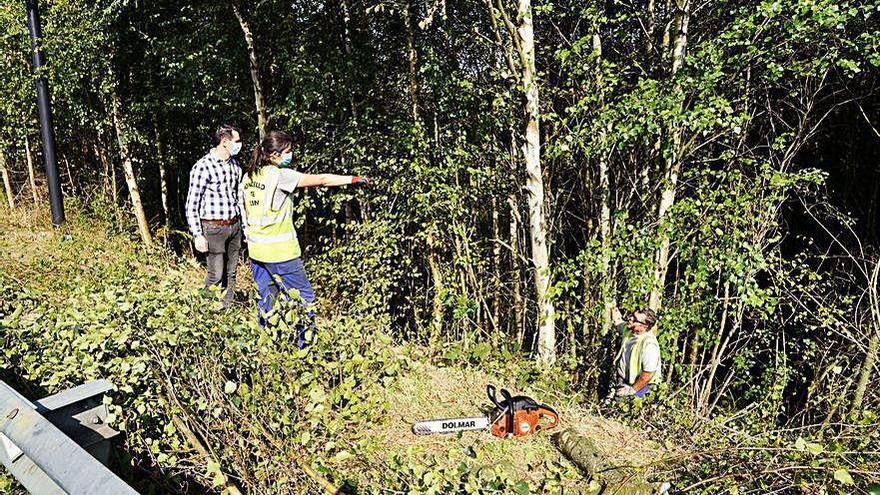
(267, 217)
(638, 360)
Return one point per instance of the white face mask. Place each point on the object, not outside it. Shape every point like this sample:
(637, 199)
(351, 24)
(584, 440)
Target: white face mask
(234, 149)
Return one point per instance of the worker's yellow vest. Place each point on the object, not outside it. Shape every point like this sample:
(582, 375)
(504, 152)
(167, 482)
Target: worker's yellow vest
(270, 233)
(634, 366)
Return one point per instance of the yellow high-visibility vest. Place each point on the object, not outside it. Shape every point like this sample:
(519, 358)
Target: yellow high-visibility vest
(634, 366)
(270, 233)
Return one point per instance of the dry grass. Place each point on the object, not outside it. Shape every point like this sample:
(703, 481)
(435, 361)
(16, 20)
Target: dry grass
(429, 392)
(29, 244)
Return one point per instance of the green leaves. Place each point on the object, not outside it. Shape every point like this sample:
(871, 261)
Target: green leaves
(811, 447)
(843, 476)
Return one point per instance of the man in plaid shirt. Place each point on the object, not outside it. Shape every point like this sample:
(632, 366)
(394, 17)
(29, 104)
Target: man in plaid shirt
(212, 209)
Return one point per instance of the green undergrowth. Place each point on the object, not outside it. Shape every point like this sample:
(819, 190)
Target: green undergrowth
(85, 302)
(77, 305)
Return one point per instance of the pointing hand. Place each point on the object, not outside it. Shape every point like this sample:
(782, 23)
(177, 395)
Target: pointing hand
(361, 181)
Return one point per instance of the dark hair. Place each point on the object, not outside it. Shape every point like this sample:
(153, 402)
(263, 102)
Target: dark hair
(650, 316)
(224, 131)
(274, 142)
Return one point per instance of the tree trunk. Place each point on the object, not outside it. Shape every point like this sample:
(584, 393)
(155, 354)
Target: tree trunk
(535, 187)
(127, 166)
(349, 50)
(436, 296)
(413, 62)
(718, 348)
(582, 451)
(109, 170)
(69, 174)
(608, 298)
(32, 180)
(867, 368)
(673, 164)
(113, 183)
(516, 272)
(259, 100)
(651, 27)
(163, 180)
(7, 184)
(496, 267)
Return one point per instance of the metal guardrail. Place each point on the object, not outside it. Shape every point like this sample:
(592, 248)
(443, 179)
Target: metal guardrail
(59, 444)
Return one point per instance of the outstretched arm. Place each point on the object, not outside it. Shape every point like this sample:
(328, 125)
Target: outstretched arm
(331, 180)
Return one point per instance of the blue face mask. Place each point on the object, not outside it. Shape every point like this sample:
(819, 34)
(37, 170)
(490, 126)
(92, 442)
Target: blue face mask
(286, 158)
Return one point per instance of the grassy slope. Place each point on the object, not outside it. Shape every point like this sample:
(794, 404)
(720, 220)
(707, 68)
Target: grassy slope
(72, 264)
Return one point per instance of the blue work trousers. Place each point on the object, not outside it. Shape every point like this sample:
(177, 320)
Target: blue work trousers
(291, 275)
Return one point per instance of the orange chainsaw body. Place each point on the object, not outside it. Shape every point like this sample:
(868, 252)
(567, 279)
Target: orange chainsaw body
(520, 416)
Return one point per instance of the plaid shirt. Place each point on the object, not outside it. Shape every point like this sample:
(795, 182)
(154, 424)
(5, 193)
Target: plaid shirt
(213, 191)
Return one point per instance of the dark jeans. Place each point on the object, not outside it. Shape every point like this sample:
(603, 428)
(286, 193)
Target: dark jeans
(224, 245)
(290, 275)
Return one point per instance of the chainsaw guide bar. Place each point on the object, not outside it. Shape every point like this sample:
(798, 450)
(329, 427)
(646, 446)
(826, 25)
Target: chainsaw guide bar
(450, 425)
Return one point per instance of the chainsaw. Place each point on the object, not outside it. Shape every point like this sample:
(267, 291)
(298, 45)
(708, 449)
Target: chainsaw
(516, 416)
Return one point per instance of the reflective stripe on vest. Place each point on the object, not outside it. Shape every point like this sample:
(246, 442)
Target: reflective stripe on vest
(634, 365)
(269, 239)
(270, 232)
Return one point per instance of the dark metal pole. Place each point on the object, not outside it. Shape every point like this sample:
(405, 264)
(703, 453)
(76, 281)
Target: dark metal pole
(45, 111)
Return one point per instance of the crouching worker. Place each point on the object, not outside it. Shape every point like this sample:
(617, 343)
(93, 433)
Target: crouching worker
(267, 212)
(638, 360)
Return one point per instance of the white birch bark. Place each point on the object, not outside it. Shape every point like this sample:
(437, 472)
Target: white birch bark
(535, 188)
(163, 179)
(32, 181)
(673, 161)
(513, 202)
(259, 99)
(7, 184)
(130, 180)
(412, 56)
(605, 205)
(866, 370)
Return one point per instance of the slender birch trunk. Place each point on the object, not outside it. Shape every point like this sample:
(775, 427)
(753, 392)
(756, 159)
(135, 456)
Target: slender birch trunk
(349, 50)
(535, 187)
(259, 99)
(413, 62)
(101, 153)
(605, 204)
(515, 267)
(651, 27)
(32, 180)
(114, 188)
(437, 277)
(496, 266)
(7, 184)
(128, 168)
(717, 349)
(69, 174)
(673, 163)
(867, 368)
(163, 179)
